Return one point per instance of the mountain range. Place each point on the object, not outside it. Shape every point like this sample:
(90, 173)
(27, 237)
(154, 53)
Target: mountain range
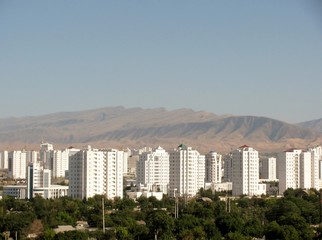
(118, 127)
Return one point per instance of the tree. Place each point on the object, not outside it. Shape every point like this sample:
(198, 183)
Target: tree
(186, 222)
(48, 234)
(229, 223)
(125, 203)
(160, 224)
(122, 233)
(211, 230)
(273, 231)
(64, 218)
(237, 236)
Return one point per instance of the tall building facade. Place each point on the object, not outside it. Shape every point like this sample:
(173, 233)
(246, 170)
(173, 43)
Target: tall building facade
(245, 171)
(306, 170)
(60, 161)
(45, 154)
(288, 163)
(187, 171)
(93, 171)
(17, 164)
(213, 167)
(4, 160)
(38, 182)
(299, 169)
(114, 160)
(316, 155)
(32, 156)
(153, 170)
(126, 156)
(37, 177)
(269, 168)
(228, 159)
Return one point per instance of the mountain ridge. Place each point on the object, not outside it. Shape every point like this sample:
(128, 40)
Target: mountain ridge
(313, 124)
(136, 127)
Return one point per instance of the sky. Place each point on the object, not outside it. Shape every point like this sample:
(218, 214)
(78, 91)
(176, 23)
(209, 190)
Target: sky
(260, 58)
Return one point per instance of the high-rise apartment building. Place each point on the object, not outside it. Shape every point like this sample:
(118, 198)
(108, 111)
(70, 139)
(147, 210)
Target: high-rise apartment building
(37, 177)
(268, 168)
(4, 160)
(153, 170)
(305, 170)
(45, 155)
(288, 163)
(187, 171)
(299, 169)
(126, 156)
(228, 167)
(60, 161)
(93, 171)
(17, 164)
(32, 156)
(114, 173)
(213, 167)
(245, 171)
(316, 155)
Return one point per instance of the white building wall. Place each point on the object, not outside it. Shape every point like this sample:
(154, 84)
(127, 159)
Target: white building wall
(245, 171)
(78, 174)
(16, 191)
(45, 155)
(187, 171)
(39, 182)
(126, 155)
(305, 170)
(288, 163)
(4, 160)
(17, 164)
(59, 158)
(153, 170)
(60, 161)
(93, 171)
(115, 169)
(213, 167)
(316, 154)
(32, 156)
(269, 168)
(227, 168)
(201, 170)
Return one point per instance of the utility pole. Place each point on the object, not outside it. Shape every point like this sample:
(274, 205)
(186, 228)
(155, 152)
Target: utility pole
(176, 205)
(320, 204)
(103, 214)
(177, 202)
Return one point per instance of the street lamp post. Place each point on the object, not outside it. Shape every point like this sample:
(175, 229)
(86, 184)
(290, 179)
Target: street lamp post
(176, 205)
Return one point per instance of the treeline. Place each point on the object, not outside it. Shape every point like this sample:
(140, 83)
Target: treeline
(294, 216)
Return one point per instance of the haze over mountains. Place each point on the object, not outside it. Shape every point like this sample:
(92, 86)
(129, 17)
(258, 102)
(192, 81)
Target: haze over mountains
(119, 127)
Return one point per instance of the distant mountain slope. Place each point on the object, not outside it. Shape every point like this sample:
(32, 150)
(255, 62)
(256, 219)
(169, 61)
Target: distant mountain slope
(313, 124)
(135, 127)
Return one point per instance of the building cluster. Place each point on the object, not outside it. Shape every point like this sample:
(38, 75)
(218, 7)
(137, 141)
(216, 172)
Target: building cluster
(182, 171)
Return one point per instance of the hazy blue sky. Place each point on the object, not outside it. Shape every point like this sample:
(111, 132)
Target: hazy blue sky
(260, 58)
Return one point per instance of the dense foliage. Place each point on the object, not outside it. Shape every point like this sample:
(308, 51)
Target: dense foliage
(294, 216)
